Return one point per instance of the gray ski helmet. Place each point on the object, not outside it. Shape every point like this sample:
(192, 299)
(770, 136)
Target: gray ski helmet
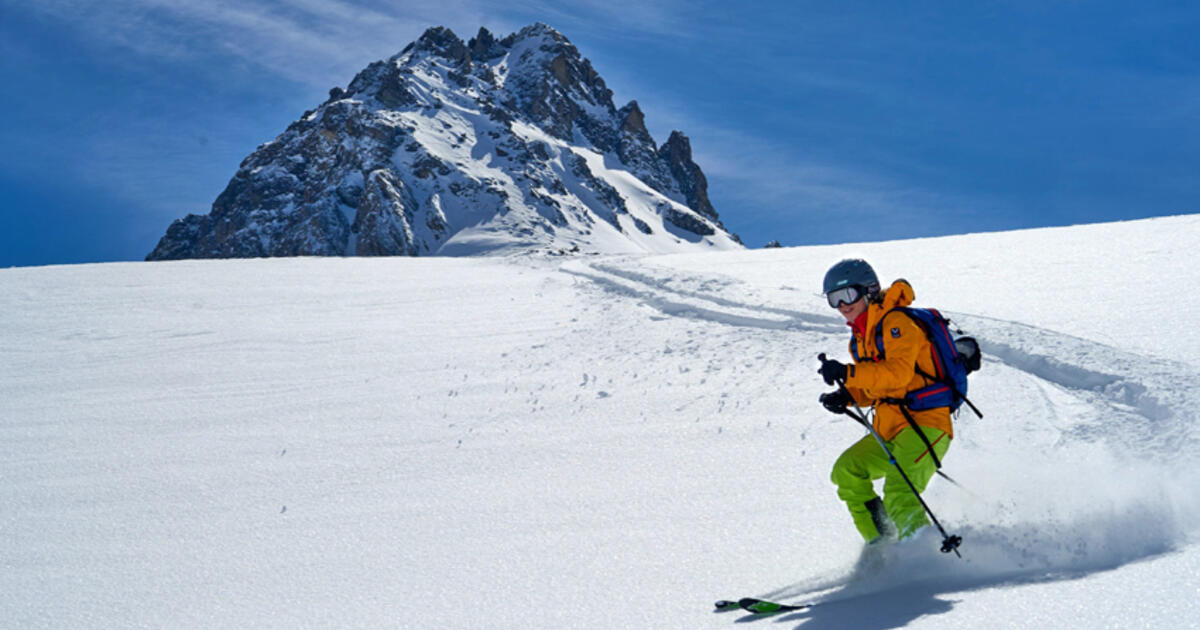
(852, 272)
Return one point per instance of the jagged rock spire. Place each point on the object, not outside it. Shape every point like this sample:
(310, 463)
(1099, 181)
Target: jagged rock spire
(677, 153)
(484, 47)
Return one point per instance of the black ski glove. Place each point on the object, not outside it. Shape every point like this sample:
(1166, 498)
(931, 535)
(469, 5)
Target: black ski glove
(836, 401)
(832, 371)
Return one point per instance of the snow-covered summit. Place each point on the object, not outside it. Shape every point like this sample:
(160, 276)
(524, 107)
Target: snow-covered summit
(454, 148)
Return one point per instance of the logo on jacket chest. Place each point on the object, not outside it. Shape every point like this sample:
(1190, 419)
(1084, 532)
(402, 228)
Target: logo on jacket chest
(895, 333)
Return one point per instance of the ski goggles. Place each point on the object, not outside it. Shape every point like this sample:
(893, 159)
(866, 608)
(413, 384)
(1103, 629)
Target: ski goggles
(844, 295)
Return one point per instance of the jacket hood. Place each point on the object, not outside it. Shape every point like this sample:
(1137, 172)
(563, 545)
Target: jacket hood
(899, 294)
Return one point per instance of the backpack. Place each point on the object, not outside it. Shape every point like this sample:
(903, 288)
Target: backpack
(953, 359)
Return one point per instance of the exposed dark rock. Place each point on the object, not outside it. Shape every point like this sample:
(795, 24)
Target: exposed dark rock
(677, 154)
(484, 47)
(688, 221)
(441, 41)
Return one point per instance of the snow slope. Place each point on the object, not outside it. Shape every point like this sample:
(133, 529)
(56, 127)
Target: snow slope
(587, 442)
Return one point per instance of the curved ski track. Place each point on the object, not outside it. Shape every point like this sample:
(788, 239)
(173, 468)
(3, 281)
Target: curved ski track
(1149, 396)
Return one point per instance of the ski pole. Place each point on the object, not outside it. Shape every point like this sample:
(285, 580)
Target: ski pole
(939, 472)
(949, 543)
(863, 421)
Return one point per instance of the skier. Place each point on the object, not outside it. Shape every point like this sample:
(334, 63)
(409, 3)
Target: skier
(879, 379)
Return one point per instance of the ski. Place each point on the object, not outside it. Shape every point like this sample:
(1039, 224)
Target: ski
(758, 606)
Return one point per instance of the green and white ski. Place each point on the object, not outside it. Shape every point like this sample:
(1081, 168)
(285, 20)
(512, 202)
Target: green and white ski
(758, 606)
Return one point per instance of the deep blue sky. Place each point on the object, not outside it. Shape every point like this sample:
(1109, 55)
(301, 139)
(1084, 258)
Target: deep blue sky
(816, 122)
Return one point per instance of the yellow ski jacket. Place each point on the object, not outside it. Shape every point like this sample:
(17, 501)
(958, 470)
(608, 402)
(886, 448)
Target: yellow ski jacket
(872, 381)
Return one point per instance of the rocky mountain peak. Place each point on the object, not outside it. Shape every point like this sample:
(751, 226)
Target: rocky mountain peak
(457, 148)
(442, 41)
(633, 121)
(677, 153)
(541, 33)
(484, 47)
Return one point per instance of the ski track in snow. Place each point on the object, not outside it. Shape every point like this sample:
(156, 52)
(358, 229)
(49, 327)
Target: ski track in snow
(1106, 398)
(698, 303)
(1143, 389)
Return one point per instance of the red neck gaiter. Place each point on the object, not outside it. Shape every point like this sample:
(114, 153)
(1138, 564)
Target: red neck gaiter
(859, 325)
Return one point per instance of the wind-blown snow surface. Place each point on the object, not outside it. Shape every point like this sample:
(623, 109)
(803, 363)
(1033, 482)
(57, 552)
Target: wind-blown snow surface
(594, 442)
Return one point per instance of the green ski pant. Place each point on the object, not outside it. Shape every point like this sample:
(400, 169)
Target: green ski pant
(856, 469)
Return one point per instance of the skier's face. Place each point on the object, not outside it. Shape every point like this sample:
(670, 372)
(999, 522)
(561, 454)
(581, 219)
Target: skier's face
(853, 310)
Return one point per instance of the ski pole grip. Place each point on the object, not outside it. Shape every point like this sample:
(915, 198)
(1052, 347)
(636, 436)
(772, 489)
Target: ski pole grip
(841, 383)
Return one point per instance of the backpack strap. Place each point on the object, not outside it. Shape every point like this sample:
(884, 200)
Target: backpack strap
(879, 351)
(900, 402)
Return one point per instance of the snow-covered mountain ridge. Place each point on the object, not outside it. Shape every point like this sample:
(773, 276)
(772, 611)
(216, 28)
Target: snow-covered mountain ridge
(458, 148)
